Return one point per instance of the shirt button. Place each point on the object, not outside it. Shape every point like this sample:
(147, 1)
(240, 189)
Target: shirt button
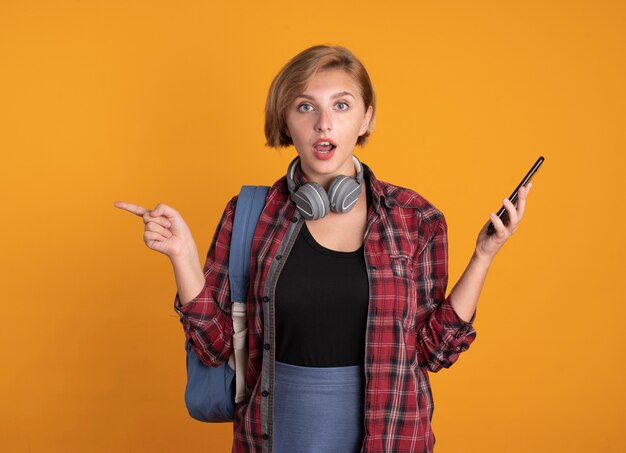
(266, 346)
(294, 219)
(266, 436)
(265, 393)
(458, 335)
(278, 257)
(372, 268)
(266, 299)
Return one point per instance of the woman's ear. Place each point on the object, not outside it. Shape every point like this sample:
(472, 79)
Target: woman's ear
(366, 120)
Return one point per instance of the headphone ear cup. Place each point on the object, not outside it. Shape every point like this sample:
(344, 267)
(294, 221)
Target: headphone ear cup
(312, 201)
(343, 193)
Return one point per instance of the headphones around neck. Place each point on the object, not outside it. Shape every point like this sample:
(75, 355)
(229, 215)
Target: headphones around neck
(314, 202)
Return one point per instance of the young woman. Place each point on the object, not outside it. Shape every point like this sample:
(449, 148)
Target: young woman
(347, 311)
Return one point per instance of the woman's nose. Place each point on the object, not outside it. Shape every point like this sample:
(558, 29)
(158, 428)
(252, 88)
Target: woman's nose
(324, 122)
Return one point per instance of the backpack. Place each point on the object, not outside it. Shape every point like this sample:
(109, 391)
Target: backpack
(212, 392)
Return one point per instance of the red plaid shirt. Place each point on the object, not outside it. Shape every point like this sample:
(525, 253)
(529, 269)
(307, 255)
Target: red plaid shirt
(411, 325)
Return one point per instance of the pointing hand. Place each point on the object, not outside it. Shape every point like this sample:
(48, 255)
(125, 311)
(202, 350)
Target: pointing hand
(164, 229)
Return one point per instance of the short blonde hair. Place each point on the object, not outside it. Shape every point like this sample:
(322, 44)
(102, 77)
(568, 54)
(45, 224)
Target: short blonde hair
(293, 79)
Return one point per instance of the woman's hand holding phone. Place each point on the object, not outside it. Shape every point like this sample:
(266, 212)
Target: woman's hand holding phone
(487, 245)
(503, 224)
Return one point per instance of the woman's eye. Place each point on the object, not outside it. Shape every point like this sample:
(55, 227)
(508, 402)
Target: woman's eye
(341, 106)
(305, 107)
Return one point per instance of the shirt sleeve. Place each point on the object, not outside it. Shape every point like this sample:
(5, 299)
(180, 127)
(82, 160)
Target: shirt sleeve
(206, 318)
(442, 335)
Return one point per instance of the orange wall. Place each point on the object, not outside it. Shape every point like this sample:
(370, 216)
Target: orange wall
(159, 101)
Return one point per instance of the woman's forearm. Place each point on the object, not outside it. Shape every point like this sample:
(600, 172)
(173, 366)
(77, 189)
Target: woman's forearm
(189, 276)
(464, 295)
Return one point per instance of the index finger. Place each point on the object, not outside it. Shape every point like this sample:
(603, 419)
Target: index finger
(521, 201)
(135, 209)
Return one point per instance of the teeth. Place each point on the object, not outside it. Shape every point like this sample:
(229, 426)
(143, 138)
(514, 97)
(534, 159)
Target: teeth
(324, 143)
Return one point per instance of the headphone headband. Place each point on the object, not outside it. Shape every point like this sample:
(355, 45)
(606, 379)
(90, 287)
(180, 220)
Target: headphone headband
(291, 170)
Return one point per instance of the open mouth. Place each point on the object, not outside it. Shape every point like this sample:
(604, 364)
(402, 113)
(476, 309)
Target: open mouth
(324, 146)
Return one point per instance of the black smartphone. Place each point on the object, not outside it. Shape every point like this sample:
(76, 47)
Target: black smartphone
(502, 213)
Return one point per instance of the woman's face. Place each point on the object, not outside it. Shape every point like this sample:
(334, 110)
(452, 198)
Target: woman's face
(324, 122)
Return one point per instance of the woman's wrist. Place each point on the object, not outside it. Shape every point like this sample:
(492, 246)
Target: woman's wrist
(481, 259)
(185, 256)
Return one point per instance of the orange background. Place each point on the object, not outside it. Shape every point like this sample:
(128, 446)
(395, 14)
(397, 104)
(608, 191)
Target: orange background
(158, 101)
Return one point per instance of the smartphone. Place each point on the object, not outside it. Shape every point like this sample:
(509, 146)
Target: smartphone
(502, 213)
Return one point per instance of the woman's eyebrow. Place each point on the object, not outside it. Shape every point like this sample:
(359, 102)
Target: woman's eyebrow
(334, 96)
